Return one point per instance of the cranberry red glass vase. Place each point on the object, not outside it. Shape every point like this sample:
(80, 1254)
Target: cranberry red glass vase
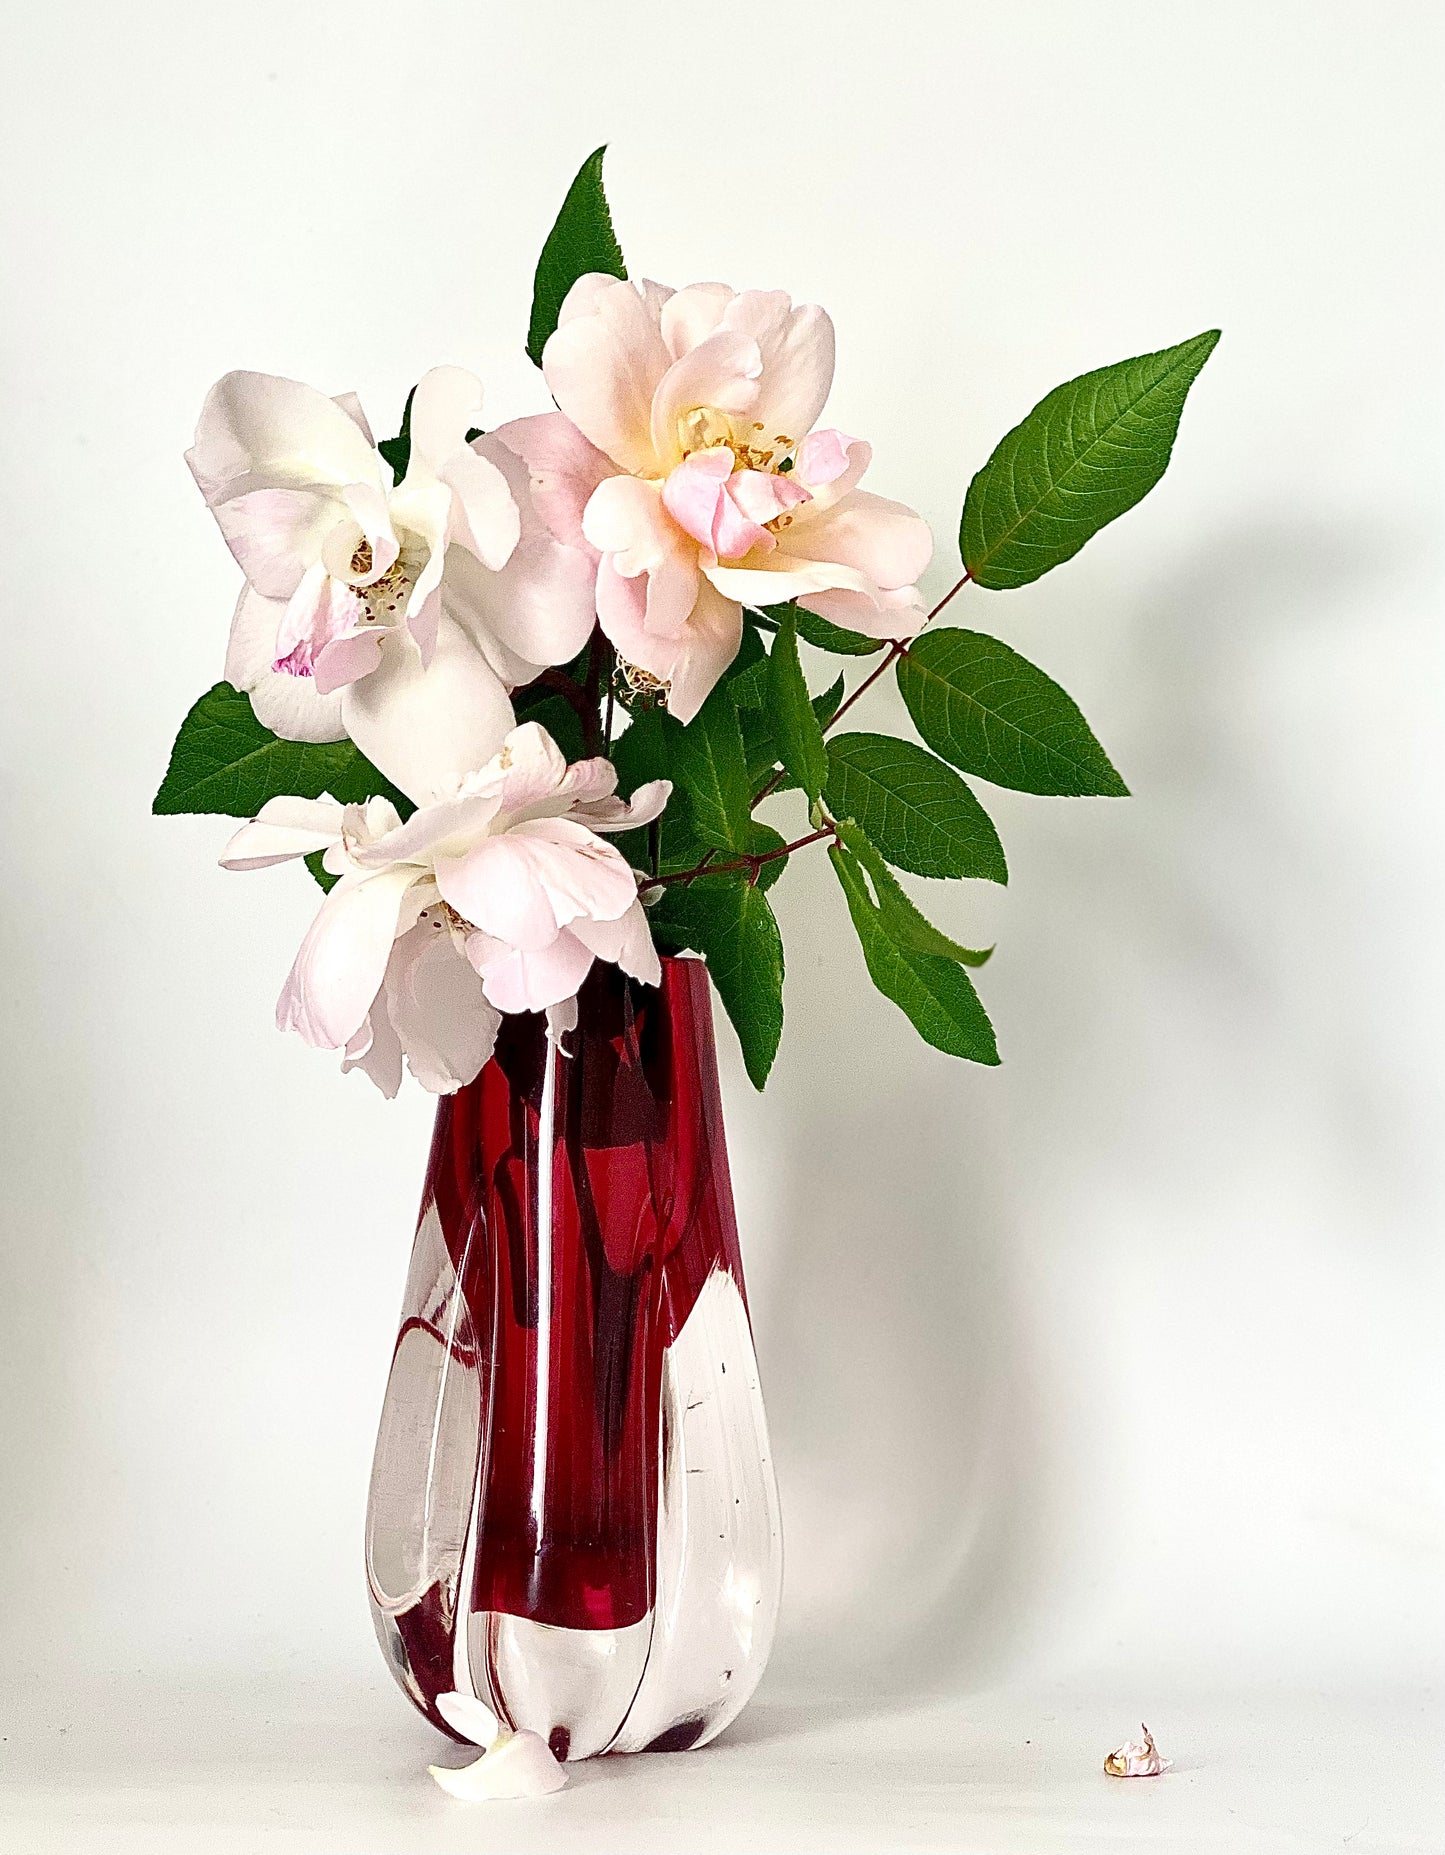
(573, 1513)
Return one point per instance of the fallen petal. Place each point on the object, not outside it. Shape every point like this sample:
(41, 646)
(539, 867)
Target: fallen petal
(470, 1717)
(518, 1765)
(1137, 1760)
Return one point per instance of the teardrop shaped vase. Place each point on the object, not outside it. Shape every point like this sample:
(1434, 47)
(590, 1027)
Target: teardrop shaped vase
(573, 1514)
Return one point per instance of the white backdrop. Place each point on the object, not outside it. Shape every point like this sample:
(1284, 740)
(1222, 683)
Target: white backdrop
(1118, 1365)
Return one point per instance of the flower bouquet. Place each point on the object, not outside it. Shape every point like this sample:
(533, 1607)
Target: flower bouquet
(516, 697)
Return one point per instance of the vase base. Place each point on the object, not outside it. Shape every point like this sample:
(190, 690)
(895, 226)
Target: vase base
(678, 1677)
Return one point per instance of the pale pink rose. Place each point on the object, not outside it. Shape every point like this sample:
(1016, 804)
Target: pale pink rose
(684, 454)
(496, 898)
(401, 616)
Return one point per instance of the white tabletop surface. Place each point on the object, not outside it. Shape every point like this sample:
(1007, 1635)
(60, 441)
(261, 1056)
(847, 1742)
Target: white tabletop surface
(288, 1769)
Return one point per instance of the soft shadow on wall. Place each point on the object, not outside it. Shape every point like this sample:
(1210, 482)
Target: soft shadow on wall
(942, 1483)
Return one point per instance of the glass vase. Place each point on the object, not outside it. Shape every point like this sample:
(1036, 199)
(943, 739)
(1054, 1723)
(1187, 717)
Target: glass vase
(573, 1514)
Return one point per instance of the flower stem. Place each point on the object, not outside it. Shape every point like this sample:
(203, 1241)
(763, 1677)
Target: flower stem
(592, 718)
(898, 648)
(744, 860)
(571, 693)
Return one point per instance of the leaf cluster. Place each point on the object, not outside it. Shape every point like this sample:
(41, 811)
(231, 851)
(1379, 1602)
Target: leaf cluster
(1085, 455)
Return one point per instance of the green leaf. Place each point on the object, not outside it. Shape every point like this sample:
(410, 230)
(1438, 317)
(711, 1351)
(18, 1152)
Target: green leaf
(552, 711)
(225, 761)
(750, 686)
(1085, 454)
(709, 760)
(935, 993)
(825, 707)
(759, 737)
(795, 725)
(729, 922)
(581, 241)
(762, 838)
(751, 692)
(319, 870)
(750, 663)
(397, 451)
(752, 655)
(916, 810)
(991, 712)
(759, 744)
(905, 924)
(646, 749)
(822, 633)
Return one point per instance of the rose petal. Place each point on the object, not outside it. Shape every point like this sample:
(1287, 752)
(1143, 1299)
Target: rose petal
(796, 347)
(260, 431)
(720, 374)
(485, 517)
(693, 492)
(540, 607)
(529, 979)
(342, 961)
(627, 942)
(1137, 1760)
(376, 1051)
(470, 1717)
(612, 814)
(875, 613)
(371, 523)
(886, 541)
(284, 828)
(276, 534)
(290, 706)
(584, 876)
(693, 662)
(564, 468)
(689, 316)
(426, 728)
(604, 364)
(626, 518)
(498, 887)
(351, 406)
(446, 1028)
(518, 1765)
(560, 1020)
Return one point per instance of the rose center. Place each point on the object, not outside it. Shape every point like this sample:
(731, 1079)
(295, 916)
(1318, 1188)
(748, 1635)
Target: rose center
(704, 428)
(443, 915)
(385, 597)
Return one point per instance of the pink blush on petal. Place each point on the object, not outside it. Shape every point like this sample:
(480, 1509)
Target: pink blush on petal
(346, 660)
(321, 611)
(296, 662)
(693, 493)
(762, 495)
(733, 533)
(822, 457)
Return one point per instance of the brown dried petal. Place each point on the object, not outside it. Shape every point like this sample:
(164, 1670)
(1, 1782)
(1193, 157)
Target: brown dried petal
(1137, 1760)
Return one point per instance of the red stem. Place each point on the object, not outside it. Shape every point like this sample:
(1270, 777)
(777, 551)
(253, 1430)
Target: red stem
(571, 692)
(898, 648)
(743, 861)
